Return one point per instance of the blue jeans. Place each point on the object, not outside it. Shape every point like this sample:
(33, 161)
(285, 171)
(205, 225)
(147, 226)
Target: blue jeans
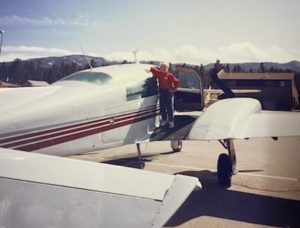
(166, 104)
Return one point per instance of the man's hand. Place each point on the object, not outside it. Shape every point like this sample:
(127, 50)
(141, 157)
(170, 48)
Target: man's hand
(148, 70)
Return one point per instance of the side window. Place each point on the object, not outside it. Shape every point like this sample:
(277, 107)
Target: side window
(189, 80)
(142, 89)
(134, 92)
(97, 78)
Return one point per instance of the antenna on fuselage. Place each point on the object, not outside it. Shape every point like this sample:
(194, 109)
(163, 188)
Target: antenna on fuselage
(91, 67)
(125, 58)
(134, 52)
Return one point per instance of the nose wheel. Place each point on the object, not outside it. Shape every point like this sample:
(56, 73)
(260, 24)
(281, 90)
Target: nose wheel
(176, 145)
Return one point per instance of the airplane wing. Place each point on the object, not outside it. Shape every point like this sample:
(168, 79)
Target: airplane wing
(239, 118)
(47, 191)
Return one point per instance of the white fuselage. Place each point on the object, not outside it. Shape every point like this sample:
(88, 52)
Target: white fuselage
(75, 116)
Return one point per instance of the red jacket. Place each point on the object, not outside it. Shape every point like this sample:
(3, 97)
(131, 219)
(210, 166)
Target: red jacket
(165, 79)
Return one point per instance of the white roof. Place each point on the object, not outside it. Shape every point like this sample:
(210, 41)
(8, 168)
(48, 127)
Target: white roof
(256, 76)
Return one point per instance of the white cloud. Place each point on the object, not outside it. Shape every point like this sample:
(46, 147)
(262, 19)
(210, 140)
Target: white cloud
(79, 20)
(248, 52)
(185, 53)
(234, 53)
(9, 53)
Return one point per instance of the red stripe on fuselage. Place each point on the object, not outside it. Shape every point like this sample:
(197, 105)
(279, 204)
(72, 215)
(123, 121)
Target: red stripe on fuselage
(42, 132)
(45, 138)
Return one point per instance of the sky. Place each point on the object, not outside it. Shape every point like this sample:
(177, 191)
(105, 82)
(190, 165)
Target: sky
(190, 31)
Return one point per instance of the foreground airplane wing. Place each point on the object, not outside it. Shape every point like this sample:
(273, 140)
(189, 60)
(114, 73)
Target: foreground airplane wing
(47, 191)
(239, 118)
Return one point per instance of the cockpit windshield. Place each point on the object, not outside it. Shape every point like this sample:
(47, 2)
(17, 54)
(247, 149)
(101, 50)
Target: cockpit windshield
(97, 78)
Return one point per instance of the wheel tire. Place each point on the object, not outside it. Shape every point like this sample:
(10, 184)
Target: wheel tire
(176, 145)
(141, 164)
(224, 170)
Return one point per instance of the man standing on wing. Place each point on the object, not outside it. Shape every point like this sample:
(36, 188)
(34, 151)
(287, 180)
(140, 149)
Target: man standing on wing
(168, 83)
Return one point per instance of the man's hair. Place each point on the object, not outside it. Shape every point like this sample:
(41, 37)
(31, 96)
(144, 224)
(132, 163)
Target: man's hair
(164, 64)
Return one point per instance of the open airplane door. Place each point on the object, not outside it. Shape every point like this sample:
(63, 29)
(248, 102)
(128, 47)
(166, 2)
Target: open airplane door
(189, 95)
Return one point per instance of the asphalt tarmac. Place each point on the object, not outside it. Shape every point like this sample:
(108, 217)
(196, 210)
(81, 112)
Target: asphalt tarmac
(265, 192)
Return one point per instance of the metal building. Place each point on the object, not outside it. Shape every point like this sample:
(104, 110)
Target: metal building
(277, 90)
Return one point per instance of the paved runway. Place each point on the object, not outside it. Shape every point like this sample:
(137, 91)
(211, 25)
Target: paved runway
(265, 192)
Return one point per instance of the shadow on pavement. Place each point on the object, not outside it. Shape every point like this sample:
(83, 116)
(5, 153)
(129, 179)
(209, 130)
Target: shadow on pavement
(133, 162)
(216, 201)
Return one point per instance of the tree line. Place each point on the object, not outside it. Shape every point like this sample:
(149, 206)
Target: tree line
(18, 71)
(237, 68)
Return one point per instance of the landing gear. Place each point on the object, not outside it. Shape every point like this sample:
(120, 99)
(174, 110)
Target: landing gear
(140, 158)
(227, 163)
(176, 145)
(224, 170)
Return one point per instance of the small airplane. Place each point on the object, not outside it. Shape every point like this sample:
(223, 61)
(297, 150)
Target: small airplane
(108, 107)
(86, 111)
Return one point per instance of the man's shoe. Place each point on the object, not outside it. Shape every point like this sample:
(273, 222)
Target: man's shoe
(171, 124)
(163, 123)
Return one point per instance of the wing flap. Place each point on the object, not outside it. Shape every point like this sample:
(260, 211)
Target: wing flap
(267, 123)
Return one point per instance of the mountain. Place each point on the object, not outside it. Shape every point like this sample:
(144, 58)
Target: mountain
(79, 60)
(51, 69)
(48, 69)
(253, 66)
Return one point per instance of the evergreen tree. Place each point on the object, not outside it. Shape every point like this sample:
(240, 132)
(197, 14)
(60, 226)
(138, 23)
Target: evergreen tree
(14, 70)
(227, 68)
(3, 71)
(262, 68)
(202, 69)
